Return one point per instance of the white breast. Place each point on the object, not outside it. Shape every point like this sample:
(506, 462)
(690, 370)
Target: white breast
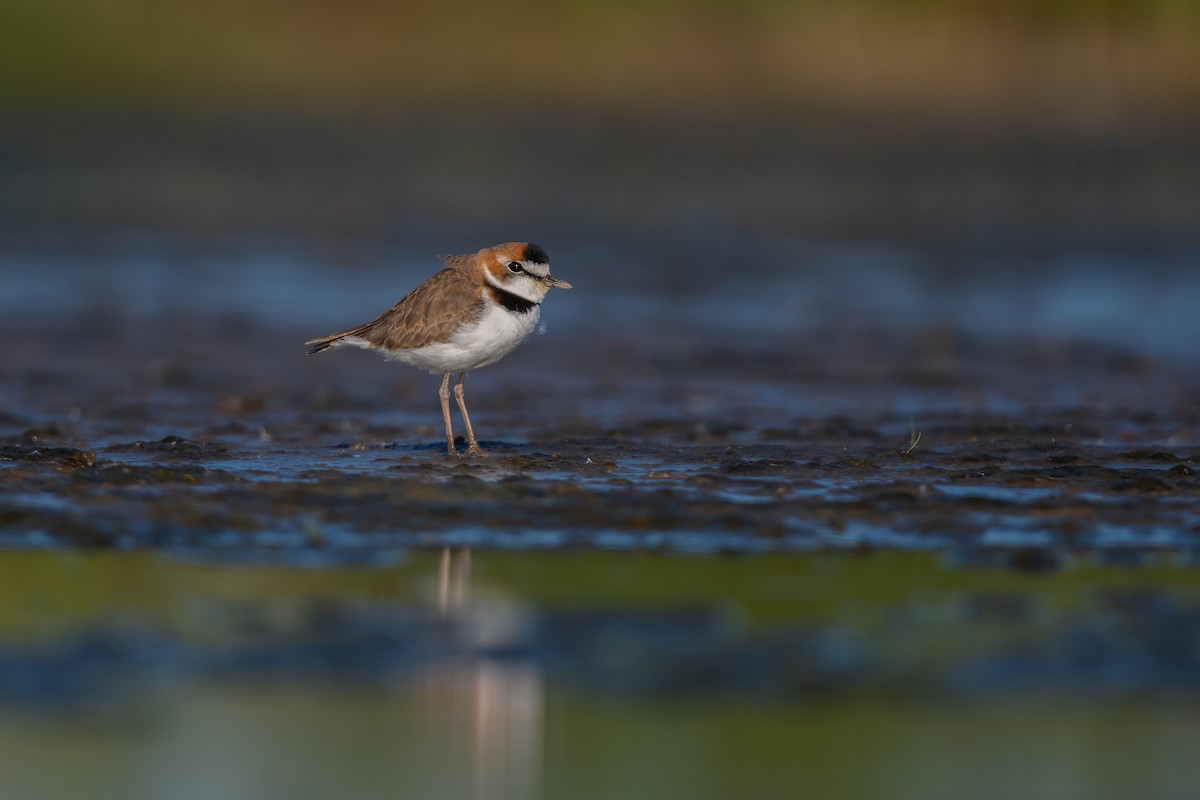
(496, 334)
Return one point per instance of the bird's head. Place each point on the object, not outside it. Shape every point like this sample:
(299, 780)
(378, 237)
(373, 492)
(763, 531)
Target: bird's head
(519, 268)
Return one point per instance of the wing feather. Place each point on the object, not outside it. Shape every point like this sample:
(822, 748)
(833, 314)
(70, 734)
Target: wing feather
(431, 313)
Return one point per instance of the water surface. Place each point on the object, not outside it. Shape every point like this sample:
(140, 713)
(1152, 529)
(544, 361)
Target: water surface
(591, 675)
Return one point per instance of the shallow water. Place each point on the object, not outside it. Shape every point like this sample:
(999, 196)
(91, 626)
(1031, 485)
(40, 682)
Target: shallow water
(590, 675)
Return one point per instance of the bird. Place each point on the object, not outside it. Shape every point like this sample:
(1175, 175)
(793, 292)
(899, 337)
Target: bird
(470, 314)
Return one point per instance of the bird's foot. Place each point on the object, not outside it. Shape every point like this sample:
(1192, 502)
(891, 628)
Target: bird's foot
(475, 450)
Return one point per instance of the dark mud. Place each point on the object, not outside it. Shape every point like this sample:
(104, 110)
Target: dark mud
(1003, 488)
(360, 468)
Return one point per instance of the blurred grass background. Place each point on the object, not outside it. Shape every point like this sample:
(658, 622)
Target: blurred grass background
(1074, 62)
(934, 119)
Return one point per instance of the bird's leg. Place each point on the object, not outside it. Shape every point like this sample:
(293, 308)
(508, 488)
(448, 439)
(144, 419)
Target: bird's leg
(444, 395)
(472, 442)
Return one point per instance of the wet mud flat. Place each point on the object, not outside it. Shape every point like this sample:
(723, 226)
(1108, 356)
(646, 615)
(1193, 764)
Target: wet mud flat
(1030, 454)
(1038, 496)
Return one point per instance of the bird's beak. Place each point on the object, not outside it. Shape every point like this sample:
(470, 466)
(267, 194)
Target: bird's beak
(556, 283)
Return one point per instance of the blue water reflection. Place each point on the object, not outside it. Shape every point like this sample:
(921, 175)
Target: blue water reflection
(1143, 301)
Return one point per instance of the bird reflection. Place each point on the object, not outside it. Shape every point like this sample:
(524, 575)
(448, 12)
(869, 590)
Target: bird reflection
(484, 712)
(454, 577)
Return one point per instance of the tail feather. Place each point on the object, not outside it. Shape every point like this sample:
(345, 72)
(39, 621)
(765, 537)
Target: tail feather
(326, 342)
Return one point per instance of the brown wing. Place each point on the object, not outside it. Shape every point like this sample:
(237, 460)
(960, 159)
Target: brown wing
(430, 313)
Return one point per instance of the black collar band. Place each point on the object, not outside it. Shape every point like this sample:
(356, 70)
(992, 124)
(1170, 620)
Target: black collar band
(512, 302)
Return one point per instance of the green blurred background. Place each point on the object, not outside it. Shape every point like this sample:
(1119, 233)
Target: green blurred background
(1044, 62)
(930, 119)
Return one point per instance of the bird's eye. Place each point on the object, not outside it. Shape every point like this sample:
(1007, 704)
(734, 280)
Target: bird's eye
(515, 266)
